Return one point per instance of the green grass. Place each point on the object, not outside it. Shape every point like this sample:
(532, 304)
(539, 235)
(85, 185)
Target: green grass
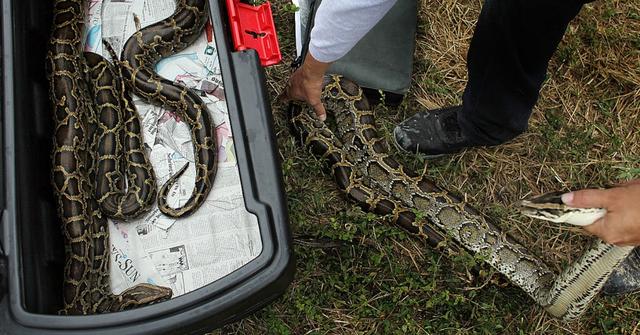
(373, 278)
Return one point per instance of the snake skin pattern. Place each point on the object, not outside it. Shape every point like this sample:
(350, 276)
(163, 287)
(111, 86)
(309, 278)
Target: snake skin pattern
(364, 170)
(86, 287)
(139, 56)
(116, 141)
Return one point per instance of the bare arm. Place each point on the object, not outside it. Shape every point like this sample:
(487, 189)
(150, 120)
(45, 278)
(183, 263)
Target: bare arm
(339, 25)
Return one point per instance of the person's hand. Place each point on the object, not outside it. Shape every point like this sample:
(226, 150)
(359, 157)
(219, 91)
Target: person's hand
(305, 84)
(621, 224)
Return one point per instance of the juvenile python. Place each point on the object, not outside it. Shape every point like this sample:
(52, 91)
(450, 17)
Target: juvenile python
(86, 287)
(140, 54)
(362, 167)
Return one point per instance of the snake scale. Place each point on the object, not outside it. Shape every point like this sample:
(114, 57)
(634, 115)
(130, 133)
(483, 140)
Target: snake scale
(363, 168)
(86, 288)
(125, 185)
(140, 54)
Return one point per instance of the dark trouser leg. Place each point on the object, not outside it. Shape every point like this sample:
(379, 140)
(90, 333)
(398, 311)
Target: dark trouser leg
(507, 63)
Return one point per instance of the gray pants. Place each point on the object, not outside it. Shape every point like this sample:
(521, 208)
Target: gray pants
(383, 59)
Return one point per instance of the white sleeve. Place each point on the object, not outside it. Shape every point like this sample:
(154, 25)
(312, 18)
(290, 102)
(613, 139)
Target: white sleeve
(340, 24)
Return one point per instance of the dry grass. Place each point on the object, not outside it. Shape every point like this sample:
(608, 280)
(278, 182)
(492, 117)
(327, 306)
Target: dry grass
(583, 132)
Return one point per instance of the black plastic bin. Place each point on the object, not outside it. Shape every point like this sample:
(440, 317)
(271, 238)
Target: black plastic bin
(30, 236)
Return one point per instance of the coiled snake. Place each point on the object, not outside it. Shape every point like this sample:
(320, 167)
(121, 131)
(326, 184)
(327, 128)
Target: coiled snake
(86, 280)
(360, 161)
(140, 54)
(125, 185)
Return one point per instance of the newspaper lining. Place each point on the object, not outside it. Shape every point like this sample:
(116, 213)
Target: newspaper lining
(186, 253)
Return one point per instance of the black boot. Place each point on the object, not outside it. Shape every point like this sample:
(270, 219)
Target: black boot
(433, 133)
(626, 278)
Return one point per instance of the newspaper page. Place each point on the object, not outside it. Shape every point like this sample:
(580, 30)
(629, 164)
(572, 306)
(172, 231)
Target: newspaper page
(187, 253)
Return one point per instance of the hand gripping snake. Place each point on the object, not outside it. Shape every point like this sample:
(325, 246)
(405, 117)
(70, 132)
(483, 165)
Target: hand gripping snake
(140, 54)
(86, 274)
(363, 168)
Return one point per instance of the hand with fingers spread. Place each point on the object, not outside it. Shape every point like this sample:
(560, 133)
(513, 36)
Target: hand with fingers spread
(306, 84)
(621, 224)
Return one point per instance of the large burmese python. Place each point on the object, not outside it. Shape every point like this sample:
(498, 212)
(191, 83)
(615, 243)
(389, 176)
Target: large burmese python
(140, 54)
(86, 286)
(361, 164)
(125, 184)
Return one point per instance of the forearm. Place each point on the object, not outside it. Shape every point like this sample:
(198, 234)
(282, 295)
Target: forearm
(340, 24)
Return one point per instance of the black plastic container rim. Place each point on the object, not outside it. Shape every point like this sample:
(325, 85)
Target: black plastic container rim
(274, 261)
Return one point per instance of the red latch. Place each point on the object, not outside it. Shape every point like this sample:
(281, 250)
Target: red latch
(252, 28)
